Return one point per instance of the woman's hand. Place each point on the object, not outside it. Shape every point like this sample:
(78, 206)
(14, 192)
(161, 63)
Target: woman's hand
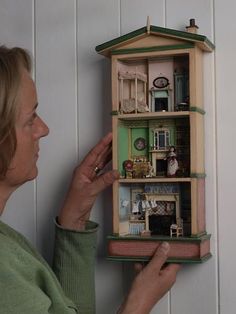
(150, 285)
(86, 184)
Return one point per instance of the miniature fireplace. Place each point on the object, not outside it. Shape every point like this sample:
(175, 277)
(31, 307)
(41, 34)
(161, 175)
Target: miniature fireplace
(159, 162)
(167, 208)
(160, 100)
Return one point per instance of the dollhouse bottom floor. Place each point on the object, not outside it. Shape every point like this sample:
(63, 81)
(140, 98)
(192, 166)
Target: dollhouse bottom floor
(193, 249)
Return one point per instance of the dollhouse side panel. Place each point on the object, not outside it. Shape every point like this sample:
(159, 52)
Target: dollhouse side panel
(201, 215)
(115, 202)
(197, 143)
(196, 78)
(198, 206)
(114, 85)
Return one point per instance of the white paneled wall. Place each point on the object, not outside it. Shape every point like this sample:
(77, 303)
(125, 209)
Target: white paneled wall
(74, 99)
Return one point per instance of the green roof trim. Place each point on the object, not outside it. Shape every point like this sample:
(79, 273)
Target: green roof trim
(184, 35)
(150, 49)
(156, 29)
(120, 39)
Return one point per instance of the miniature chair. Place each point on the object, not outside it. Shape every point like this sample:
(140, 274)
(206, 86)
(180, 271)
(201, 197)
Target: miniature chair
(177, 229)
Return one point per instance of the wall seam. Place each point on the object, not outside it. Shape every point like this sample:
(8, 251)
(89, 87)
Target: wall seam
(76, 78)
(169, 294)
(165, 13)
(119, 19)
(34, 77)
(216, 166)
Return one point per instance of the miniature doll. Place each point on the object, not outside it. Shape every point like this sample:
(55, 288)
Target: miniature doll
(172, 163)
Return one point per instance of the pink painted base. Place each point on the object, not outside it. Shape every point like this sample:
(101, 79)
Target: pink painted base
(180, 249)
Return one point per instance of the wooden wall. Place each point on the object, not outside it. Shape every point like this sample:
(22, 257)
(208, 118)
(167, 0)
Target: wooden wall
(74, 99)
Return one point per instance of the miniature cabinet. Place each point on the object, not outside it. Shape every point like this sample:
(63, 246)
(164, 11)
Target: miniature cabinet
(158, 143)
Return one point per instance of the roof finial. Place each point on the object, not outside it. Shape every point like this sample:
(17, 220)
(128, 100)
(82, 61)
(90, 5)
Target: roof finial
(148, 24)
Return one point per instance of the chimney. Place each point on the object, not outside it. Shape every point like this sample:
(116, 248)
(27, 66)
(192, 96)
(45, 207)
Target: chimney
(192, 28)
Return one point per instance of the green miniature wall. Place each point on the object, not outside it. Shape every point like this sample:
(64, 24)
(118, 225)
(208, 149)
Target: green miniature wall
(143, 129)
(123, 147)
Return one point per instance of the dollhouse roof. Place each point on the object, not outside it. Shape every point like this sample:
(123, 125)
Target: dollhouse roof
(153, 39)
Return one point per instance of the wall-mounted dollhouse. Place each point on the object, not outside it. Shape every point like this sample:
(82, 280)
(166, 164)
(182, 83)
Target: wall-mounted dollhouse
(158, 143)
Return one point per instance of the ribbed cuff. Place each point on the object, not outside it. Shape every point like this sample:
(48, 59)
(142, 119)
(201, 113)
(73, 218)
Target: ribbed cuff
(90, 226)
(74, 260)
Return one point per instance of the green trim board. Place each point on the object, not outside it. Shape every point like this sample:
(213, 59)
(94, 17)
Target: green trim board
(114, 113)
(198, 175)
(195, 38)
(169, 260)
(197, 109)
(199, 235)
(199, 238)
(150, 49)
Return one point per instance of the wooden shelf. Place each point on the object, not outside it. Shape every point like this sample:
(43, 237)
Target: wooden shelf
(155, 180)
(153, 115)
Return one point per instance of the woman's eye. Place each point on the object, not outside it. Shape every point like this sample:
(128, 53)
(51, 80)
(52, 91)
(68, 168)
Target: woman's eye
(31, 121)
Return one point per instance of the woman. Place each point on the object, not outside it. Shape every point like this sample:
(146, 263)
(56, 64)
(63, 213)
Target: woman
(27, 284)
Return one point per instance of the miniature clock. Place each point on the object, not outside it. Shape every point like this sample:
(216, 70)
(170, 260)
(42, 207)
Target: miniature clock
(146, 123)
(161, 82)
(140, 143)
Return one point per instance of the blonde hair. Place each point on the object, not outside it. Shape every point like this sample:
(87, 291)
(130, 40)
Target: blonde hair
(12, 61)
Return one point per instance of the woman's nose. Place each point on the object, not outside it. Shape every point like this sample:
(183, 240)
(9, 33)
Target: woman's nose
(43, 129)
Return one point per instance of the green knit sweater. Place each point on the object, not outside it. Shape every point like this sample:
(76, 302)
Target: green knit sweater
(29, 286)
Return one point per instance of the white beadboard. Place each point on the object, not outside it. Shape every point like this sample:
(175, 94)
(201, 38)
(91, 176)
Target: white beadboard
(73, 84)
(98, 21)
(225, 30)
(55, 50)
(134, 14)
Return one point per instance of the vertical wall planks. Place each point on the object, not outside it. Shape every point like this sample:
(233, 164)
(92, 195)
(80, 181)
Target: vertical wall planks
(57, 87)
(17, 23)
(179, 13)
(98, 21)
(225, 27)
(134, 14)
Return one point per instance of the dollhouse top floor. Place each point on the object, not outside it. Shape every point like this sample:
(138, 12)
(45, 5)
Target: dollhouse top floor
(154, 70)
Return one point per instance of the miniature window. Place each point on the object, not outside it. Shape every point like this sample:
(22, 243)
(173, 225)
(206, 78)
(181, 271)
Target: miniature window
(161, 139)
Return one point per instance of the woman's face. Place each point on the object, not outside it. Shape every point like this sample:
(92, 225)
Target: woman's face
(29, 129)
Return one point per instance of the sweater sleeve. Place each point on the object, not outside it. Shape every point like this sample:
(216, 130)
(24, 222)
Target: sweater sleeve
(74, 263)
